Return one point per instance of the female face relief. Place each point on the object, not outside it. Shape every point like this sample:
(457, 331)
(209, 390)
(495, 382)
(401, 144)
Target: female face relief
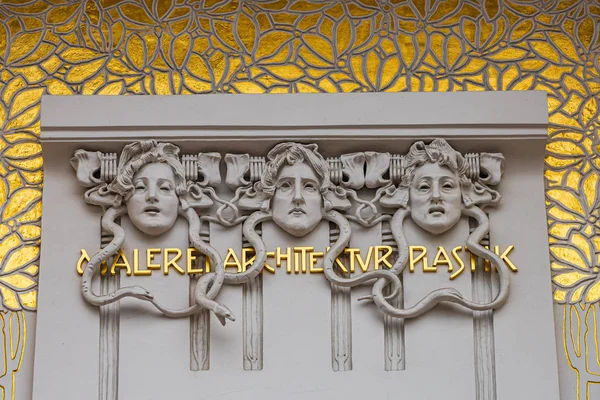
(297, 201)
(435, 198)
(153, 206)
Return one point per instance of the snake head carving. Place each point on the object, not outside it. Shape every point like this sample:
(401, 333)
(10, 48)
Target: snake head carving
(141, 293)
(223, 314)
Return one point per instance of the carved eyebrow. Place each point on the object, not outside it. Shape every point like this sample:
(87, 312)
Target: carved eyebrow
(449, 178)
(423, 179)
(163, 180)
(285, 179)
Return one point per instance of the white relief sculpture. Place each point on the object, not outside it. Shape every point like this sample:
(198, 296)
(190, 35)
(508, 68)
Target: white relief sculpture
(152, 202)
(297, 201)
(296, 180)
(149, 184)
(300, 188)
(439, 186)
(296, 188)
(274, 194)
(435, 198)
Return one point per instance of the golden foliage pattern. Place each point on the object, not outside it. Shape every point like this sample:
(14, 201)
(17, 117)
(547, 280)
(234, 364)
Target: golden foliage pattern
(580, 336)
(14, 335)
(161, 47)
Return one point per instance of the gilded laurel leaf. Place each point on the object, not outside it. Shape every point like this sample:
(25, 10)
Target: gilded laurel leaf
(320, 47)
(136, 14)
(246, 31)
(30, 232)
(22, 45)
(179, 50)
(19, 202)
(270, 43)
(60, 14)
(24, 100)
(80, 73)
(23, 150)
(570, 256)
(17, 274)
(80, 55)
(20, 258)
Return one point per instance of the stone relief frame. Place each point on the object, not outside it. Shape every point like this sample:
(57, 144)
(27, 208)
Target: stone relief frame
(374, 120)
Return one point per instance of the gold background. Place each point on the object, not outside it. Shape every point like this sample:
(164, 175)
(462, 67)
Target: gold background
(112, 47)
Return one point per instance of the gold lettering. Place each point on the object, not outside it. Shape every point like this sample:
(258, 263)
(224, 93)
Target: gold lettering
(296, 263)
(246, 262)
(364, 266)
(460, 262)
(287, 257)
(206, 265)
(339, 262)
(267, 266)
(352, 252)
(150, 253)
(445, 260)
(190, 258)
(304, 260)
(383, 259)
(303, 251)
(473, 259)
(313, 260)
(504, 256)
(235, 263)
(413, 261)
(173, 262)
(136, 265)
(120, 264)
(84, 258)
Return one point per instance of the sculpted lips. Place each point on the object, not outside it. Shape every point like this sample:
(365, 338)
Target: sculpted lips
(297, 211)
(152, 210)
(437, 210)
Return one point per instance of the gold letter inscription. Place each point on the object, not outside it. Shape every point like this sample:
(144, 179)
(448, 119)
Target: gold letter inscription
(173, 262)
(413, 260)
(383, 258)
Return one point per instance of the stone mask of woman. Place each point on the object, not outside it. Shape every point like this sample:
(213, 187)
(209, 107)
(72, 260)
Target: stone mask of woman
(151, 188)
(436, 192)
(150, 185)
(296, 192)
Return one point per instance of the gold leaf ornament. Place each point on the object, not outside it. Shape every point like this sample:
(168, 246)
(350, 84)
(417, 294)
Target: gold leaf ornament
(246, 32)
(20, 202)
(19, 289)
(570, 279)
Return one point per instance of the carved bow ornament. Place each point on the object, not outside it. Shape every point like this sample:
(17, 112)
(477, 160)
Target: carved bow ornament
(296, 188)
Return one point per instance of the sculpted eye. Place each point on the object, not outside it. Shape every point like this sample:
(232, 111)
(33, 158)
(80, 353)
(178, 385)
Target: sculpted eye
(166, 188)
(310, 187)
(285, 186)
(139, 186)
(423, 187)
(448, 185)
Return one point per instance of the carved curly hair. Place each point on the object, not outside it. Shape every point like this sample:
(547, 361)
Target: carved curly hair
(291, 153)
(135, 155)
(438, 151)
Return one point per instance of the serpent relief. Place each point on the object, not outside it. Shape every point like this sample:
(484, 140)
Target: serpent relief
(296, 188)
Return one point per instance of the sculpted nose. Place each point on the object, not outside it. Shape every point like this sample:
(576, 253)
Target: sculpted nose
(435, 195)
(298, 198)
(151, 195)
